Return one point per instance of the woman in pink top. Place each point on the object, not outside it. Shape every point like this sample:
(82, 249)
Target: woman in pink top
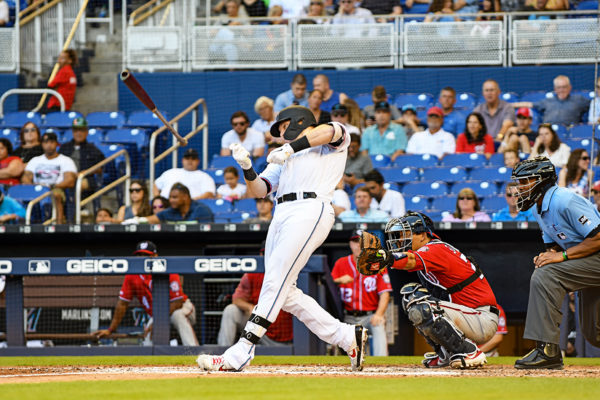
(467, 209)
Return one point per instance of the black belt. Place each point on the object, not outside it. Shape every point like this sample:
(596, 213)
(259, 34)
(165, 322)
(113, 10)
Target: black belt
(494, 310)
(294, 196)
(357, 313)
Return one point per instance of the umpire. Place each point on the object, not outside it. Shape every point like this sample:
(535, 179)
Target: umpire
(571, 232)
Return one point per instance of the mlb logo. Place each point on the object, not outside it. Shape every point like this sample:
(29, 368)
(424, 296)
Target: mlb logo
(39, 266)
(155, 265)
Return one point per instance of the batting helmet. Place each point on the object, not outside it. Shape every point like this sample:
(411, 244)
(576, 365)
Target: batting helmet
(533, 178)
(300, 118)
(399, 231)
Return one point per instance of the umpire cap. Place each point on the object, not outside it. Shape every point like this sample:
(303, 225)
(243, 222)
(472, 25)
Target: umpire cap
(145, 248)
(300, 118)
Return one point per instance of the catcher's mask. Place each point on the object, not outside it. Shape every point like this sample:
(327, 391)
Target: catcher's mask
(300, 118)
(399, 231)
(533, 178)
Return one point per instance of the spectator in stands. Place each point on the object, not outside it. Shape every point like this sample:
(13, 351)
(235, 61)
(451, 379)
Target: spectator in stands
(382, 7)
(490, 348)
(251, 139)
(10, 209)
(594, 111)
(4, 13)
(488, 7)
(83, 153)
(409, 3)
(316, 10)
(234, 14)
(358, 164)
(410, 121)
(104, 217)
(441, 11)
(467, 209)
(315, 99)
(548, 144)
(11, 166)
(54, 170)
(453, 119)
(158, 204)
(577, 175)
(363, 211)
(387, 200)
(596, 194)
(276, 12)
(255, 8)
(475, 139)
(291, 8)
(200, 184)
(562, 108)
(330, 97)
(519, 137)
(348, 13)
(65, 81)
(499, 115)
(510, 212)
(433, 140)
(236, 314)
(340, 200)
(378, 95)
(264, 209)
(264, 108)
(181, 309)
(140, 202)
(385, 137)
(365, 298)
(546, 5)
(31, 145)
(355, 116)
(232, 189)
(510, 5)
(339, 113)
(467, 7)
(511, 158)
(296, 96)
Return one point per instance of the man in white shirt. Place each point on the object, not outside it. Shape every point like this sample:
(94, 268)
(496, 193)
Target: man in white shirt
(4, 13)
(54, 170)
(200, 184)
(291, 8)
(433, 140)
(390, 201)
(250, 139)
(350, 14)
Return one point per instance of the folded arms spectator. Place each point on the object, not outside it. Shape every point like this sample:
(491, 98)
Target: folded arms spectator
(200, 184)
(251, 139)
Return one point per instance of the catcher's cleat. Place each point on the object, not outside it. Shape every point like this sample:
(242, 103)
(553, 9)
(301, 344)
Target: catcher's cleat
(213, 363)
(356, 352)
(472, 360)
(544, 356)
(435, 360)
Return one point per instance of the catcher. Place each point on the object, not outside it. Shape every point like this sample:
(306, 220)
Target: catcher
(454, 307)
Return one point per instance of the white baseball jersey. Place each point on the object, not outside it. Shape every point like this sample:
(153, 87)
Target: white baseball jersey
(392, 203)
(316, 169)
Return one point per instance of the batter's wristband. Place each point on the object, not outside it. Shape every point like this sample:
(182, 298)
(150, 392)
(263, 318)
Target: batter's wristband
(565, 257)
(250, 174)
(300, 144)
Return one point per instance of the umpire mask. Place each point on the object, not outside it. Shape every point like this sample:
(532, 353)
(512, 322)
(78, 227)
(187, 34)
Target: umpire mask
(300, 118)
(533, 178)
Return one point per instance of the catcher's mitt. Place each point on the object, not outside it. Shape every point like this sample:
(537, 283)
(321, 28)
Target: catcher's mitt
(372, 258)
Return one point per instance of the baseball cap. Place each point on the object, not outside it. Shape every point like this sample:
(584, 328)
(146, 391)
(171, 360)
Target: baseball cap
(410, 107)
(524, 112)
(145, 247)
(339, 108)
(190, 153)
(356, 234)
(435, 111)
(49, 136)
(80, 122)
(382, 105)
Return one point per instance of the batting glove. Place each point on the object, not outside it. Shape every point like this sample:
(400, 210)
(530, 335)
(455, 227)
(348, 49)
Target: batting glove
(279, 155)
(240, 155)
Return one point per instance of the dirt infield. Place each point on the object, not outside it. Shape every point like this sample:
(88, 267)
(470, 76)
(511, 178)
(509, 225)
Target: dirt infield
(94, 373)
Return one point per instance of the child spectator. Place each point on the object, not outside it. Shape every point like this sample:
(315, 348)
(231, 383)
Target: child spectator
(104, 216)
(232, 189)
(159, 203)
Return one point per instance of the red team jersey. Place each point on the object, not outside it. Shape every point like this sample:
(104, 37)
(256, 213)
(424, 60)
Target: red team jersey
(484, 146)
(248, 289)
(140, 286)
(64, 83)
(362, 294)
(445, 266)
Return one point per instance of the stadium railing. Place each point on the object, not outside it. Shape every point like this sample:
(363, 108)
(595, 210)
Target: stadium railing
(11, 92)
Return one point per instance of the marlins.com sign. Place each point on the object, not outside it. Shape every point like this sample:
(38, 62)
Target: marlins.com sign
(232, 264)
(97, 266)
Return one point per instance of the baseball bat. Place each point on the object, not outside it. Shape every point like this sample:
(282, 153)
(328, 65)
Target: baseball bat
(139, 92)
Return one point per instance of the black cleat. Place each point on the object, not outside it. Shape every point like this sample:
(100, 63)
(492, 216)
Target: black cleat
(544, 356)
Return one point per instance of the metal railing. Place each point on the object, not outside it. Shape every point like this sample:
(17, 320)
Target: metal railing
(155, 159)
(37, 200)
(79, 203)
(10, 92)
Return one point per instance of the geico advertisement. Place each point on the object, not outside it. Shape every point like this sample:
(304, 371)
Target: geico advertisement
(97, 266)
(232, 264)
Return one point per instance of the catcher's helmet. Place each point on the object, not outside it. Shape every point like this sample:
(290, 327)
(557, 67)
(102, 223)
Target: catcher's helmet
(529, 191)
(300, 118)
(399, 231)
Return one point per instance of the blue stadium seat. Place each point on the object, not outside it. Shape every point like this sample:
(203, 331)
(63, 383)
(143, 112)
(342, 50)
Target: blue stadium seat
(416, 161)
(106, 119)
(132, 136)
(536, 96)
(426, 189)
(417, 203)
(259, 163)
(217, 175)
(496, 160)
(95, 136)
(587, 5)
(481, 189)
(223, 162)
(581, 144)
(144, 119)
(60, 119)
(399, 175)
(236, 217)
(380, 160)
(510, 97)
(466, 101)
(581, 131)
(493, 203)
(19, 118)
(491, 174)
(218, 206)
(588, 94)
(392, 186)
(417, 8)
(12, 135)
(444, 204)
(245, 205)
(25, 193)
(363, 100)
(453, 174)
(420, 100)
(116, 168)
(561, 131)
(466, 160)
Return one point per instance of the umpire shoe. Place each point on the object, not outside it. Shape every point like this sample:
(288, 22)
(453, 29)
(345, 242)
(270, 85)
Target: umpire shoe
(544, 356)
(471, 360)
(213, 363)
(356, 352)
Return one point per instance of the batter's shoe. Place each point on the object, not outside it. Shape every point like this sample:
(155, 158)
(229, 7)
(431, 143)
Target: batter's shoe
(213, 363)
(357, 352)
(434, 360)
(471, 360)
(544, 356)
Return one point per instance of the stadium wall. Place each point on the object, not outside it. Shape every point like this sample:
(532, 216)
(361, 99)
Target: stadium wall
(7, 82)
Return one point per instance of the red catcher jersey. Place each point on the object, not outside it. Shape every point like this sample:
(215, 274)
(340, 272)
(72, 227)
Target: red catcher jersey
(140, 286)
(362, 294)
(65, 83)
(502, 330)
(443, 265)
(249, 289)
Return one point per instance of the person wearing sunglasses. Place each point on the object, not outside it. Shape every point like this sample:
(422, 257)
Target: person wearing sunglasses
(158, 204)
(510, 213)
(577, 175)
(31, 144)
(140, 202)
(251, 139)
(467, 209)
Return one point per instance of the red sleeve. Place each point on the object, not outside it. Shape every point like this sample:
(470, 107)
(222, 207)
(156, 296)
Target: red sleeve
(338, 268)
(126, 293)
(461, 144)
(175, 290)
(243, 289)
(489, 144)
(383, 283)
(61, 77)
(502, 330)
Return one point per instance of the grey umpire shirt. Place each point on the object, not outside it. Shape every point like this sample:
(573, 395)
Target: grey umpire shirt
(494, 122)
(568, 111)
